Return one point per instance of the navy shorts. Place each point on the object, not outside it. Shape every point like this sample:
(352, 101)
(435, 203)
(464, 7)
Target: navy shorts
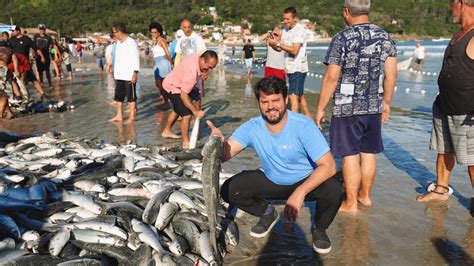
(355, 134)
(296, 83)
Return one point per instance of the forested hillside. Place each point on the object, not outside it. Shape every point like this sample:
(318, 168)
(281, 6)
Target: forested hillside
(72, 17)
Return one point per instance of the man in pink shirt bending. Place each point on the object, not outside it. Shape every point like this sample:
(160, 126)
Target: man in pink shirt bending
(178, 84)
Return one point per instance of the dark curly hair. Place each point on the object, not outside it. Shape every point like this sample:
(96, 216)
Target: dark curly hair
(271, 85)
(157, 26)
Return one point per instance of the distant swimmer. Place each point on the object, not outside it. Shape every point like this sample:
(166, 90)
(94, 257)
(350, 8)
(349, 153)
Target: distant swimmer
(297, 166)
(361, 85)
(179, 85)
(419, 57)
(452, 135)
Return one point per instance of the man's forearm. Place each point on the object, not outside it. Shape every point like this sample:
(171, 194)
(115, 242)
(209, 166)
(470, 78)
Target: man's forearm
(388, 88)
(187, 102)
(319, 176)
(290, 49)
(327, 90)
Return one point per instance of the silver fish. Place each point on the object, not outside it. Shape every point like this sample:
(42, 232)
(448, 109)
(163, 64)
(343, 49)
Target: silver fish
(211, 166)
(128, 163)
(58, 241)
(7, 243)
(152, 207)
(98, 237)
(166, 213)
(206, 248)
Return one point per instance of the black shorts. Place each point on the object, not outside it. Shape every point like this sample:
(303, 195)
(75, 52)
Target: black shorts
(419, 61)
(30, 76)
(42, 67)
(69, 68)
(178, 104)
(125, 88)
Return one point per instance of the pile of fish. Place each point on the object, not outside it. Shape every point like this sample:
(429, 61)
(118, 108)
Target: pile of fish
(41, 106)
(76, 201)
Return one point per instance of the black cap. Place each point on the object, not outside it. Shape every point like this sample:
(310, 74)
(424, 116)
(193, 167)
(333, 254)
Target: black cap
(41, 26)
(17, 28)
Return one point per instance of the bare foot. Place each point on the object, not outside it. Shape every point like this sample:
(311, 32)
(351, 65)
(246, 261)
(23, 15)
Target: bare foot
(116, 119)
(351, 209)
(170, 135)
(366, 201)
(185, 145)
(431, 196)
(9, 115)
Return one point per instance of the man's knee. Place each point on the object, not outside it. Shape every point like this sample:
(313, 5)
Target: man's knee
(235, 188)
(332, 189)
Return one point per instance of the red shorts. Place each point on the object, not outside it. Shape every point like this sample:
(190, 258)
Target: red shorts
(23, 64)
(273, 72)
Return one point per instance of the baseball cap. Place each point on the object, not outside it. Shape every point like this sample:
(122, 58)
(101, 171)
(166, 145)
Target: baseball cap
(17, 28)
(180, 33)
(41, 26)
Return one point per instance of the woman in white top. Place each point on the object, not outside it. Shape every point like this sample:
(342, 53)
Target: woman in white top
(162, 58)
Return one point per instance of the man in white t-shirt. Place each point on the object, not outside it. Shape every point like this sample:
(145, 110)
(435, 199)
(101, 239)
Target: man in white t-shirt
(419, 55)
(293, 42)
(190, 43)
(126, 68)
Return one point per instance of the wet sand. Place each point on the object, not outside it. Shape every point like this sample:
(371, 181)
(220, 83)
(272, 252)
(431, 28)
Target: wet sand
(395, 231)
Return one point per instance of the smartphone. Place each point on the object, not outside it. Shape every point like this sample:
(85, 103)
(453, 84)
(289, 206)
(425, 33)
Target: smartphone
(271, 34)
(469, 121)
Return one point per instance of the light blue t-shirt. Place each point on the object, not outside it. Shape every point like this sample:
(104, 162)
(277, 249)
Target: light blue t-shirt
(289, 156)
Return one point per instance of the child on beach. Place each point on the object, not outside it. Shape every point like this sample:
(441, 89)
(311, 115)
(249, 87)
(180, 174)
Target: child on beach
(67, 55)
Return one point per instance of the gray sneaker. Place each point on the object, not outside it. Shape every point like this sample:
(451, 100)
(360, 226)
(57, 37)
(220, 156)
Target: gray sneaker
(321, 242)
(265, 224)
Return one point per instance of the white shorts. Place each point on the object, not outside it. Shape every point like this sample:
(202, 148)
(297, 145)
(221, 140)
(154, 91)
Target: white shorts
(248, 62)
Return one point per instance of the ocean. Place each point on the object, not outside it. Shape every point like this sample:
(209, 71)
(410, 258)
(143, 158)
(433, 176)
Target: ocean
(414, 91)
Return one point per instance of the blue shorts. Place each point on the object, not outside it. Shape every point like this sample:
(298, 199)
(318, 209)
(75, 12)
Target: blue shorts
(162, 67)
(296, 83)
(355, 134)
(100, 61)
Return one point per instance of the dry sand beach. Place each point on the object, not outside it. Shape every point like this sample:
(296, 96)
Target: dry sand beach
(395, 231)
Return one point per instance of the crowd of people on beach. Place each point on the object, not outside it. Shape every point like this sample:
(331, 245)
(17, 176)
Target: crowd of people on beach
(25, 59)
(297, 162)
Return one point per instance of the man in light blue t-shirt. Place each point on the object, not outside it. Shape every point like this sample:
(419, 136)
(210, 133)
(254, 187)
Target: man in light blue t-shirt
(296, 166)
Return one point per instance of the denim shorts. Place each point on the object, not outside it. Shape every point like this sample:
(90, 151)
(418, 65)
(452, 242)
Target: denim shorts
(100, 61)
(296, 83)
(162, 67)
(352, 135)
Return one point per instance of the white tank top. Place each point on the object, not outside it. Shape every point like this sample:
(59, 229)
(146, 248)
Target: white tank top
(158, 51)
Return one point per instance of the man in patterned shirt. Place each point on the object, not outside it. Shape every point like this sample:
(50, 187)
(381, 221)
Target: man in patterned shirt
(361, 74)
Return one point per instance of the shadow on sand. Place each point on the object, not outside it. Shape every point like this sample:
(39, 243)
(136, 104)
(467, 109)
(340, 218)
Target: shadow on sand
(405, 161)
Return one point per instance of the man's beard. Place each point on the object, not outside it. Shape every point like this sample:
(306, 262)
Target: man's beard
(278, 120)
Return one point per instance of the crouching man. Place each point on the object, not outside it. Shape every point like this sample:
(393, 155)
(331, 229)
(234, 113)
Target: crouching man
(296, 166)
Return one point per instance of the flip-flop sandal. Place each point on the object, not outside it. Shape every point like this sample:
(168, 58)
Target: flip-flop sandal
(432, 187)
